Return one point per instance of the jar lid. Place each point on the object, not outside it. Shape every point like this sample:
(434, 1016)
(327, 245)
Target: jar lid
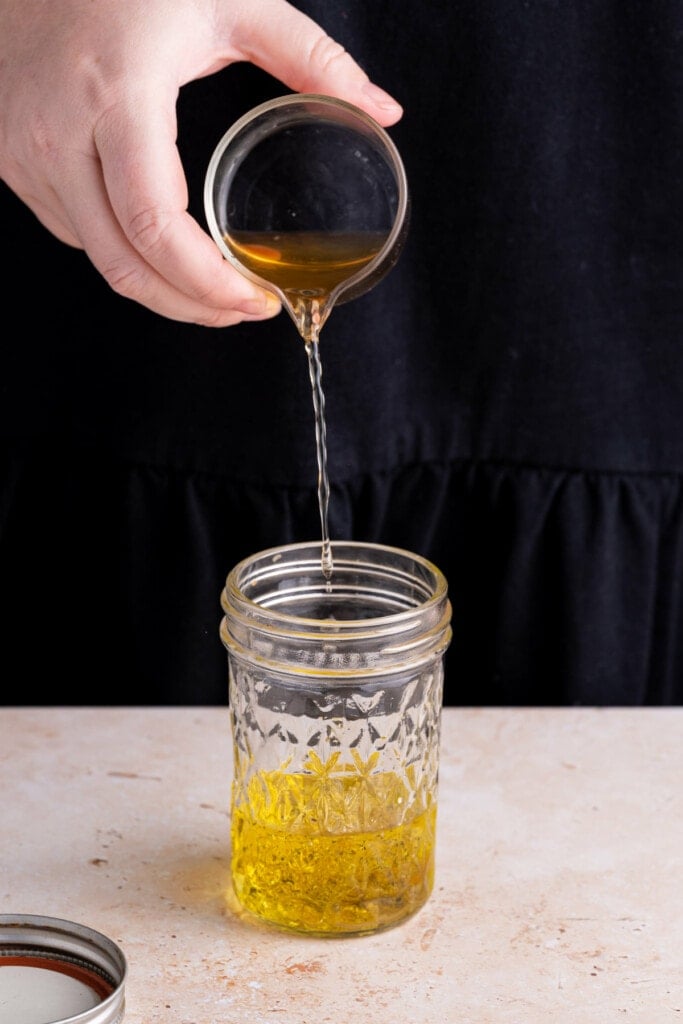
(58, 972)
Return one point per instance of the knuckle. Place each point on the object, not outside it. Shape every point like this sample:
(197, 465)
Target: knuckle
(327, 52)
(126, 277)
(147, 232)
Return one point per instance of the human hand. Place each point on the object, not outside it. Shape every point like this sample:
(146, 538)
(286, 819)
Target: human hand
(88, 97)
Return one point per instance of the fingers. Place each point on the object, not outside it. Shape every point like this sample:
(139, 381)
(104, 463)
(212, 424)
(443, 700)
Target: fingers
(129, 214)
(220, 297)
(295, 49)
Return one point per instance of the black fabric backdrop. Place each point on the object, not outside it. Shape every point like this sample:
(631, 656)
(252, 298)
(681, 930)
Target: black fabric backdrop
(507, 402)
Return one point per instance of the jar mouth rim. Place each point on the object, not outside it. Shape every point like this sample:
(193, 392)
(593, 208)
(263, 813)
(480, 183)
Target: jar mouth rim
(233, 595)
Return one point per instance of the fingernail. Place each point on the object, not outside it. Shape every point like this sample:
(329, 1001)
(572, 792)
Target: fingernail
(264, 304)
(273, 305)
(380, 98)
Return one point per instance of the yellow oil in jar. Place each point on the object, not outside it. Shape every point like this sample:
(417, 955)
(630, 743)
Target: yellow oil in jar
(331, 853)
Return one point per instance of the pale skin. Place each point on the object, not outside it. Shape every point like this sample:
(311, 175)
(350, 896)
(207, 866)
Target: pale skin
(88, 92)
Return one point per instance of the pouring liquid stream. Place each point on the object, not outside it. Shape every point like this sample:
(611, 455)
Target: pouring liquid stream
(307, 267)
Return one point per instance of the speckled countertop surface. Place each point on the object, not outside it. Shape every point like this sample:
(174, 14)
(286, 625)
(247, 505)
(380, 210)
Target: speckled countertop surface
(559, 877)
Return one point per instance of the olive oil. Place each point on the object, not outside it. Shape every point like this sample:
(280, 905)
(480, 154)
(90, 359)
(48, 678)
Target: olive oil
(330, 853)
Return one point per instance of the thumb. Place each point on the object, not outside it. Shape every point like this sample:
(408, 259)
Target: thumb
(289, 45)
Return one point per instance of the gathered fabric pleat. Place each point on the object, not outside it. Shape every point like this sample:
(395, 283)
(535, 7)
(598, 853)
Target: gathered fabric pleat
(565, 586)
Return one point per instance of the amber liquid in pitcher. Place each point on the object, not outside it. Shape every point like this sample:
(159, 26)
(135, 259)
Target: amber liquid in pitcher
(305, 264)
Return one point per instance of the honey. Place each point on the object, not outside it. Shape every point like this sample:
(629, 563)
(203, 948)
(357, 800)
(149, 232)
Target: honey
(309, 263)
(333, 850)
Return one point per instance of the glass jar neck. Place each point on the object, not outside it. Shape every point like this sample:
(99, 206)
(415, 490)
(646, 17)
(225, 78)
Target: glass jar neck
(383, 609)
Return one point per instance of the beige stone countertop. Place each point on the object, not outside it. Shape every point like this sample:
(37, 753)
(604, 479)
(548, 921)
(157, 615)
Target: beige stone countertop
(559, 871)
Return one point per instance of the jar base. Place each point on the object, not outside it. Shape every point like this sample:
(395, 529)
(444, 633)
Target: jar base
(258, 920)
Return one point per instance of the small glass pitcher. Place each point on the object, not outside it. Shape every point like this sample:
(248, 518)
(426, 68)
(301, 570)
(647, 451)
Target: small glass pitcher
(307, 196)
(335, 700)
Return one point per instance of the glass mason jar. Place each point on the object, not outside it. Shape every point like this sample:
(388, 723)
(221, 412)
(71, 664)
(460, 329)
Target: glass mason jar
(335, 700)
